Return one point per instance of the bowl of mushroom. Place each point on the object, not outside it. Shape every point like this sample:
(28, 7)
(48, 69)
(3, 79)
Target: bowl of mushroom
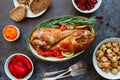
(106, 58)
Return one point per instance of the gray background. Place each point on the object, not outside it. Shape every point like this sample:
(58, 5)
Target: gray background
(110, 10)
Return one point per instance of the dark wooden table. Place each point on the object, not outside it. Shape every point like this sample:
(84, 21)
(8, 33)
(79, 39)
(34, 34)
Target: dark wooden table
(110, 10)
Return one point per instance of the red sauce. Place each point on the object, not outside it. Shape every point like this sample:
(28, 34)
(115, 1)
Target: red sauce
(10, 32)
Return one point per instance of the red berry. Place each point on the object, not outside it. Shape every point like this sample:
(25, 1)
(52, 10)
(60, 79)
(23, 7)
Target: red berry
(91, 6)
(107, 24)
(85, 4)
(99, 17)
(101, 21)
(95, 1)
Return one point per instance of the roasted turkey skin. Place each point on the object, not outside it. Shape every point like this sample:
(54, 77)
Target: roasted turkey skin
(70, 40)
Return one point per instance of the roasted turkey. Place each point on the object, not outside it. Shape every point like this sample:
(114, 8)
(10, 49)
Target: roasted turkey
(75, 39)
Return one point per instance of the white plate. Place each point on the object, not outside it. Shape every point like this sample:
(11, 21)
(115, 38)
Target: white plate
(52, 59)
(29, 12)
(108, 75)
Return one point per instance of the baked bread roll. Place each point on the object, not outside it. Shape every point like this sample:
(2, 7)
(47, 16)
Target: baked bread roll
(24, 1)
(37, 6)
(18, 13)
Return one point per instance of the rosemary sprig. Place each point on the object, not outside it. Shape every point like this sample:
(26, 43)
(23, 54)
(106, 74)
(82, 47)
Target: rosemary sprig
(53, 22)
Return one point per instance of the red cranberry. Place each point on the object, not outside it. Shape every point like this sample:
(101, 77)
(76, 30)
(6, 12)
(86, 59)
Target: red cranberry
(99, 17)
(85, 4)
(107, 24)
(91, 6)
(101, 21)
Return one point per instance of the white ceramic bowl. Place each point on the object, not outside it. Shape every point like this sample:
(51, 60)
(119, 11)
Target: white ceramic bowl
(14, 38)
(97, 5)
(108, 75)
(8, 72)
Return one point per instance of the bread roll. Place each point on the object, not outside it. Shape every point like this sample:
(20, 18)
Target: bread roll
(24, 1)
(37, 6)
(18, 13)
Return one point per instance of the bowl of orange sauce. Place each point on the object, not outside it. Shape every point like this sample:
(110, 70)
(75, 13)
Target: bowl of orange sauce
(11, 33)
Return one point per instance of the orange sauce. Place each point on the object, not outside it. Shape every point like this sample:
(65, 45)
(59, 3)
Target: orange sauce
(10, 32)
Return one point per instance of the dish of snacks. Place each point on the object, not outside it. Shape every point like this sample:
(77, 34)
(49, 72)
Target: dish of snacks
(106, 58)
(29, 8)
(18, 67)
(11, 33)
(61, 38)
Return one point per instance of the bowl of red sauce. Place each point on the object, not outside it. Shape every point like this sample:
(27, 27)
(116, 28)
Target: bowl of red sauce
(11, 33)
(18, 67)
(86, 6)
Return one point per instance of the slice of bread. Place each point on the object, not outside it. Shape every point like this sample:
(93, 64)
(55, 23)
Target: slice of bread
(37, 6)
(24, 1)
(18, 13)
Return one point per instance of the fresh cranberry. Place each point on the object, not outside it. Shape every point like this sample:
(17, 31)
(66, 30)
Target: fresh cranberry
(99, 17)
(107, 24)
(92, 6)
(101, 21)
(95, 1)
(85, 4)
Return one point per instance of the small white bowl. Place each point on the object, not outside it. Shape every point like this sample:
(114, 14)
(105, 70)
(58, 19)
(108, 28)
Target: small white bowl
(108, 75)
(8, 72)
(14, 38)
(97, 5)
